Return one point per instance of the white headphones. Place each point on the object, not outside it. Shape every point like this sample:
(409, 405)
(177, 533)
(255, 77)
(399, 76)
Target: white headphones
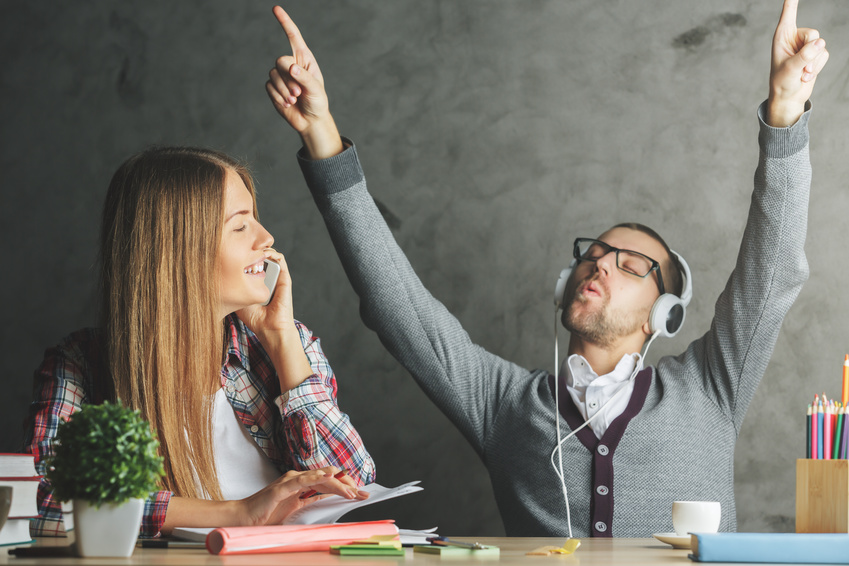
(667, 312)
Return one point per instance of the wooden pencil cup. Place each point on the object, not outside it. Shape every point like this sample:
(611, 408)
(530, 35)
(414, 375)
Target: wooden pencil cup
(822, 496)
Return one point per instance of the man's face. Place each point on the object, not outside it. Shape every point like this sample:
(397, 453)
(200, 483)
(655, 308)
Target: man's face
(604, 304)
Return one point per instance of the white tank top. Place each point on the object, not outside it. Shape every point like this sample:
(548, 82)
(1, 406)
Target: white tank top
(242, 466)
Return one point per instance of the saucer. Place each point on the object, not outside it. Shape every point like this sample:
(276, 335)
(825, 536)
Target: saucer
(674, 540)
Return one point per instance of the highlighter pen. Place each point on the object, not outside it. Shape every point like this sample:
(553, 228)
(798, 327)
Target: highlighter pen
(838, 435)
(68, 551)
(160, 543)
(445, 541)
(312, 492)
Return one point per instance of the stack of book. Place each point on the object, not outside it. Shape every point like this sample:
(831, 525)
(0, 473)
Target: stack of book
(18, 471)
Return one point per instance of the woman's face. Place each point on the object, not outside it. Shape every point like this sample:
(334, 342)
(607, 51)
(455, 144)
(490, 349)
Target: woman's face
(239, 265)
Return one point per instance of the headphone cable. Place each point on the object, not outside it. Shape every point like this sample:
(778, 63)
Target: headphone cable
(558, 470)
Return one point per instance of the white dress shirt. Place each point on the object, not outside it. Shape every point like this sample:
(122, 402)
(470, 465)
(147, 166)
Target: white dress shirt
(592, 393)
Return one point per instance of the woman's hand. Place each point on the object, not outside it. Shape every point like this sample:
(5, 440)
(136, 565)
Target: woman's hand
(269, 506)
(296, 88)
(274, 325)
(278, 315)
(272, 504)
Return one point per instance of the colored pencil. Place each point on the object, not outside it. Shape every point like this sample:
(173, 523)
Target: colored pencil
(828, 433)
(814, 428)
(820, 430)
(838, 437)
(808, 433)
(845, 397)
(844, 445)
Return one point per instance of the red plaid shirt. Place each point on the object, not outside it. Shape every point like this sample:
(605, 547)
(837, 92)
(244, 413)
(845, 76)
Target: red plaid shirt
(304, 430)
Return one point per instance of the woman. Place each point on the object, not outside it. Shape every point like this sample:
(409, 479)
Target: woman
(184, 339)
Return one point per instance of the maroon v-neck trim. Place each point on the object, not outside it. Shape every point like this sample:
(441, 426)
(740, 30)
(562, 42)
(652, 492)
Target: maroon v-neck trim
(602, 449)
(614, 432)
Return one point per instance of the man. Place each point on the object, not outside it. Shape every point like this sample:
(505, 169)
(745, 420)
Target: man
(669, 431)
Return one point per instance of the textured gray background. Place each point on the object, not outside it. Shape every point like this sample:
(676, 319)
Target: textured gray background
(492, 132)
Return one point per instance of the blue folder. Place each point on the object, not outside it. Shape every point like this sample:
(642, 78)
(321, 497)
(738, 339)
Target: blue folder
(776, 548)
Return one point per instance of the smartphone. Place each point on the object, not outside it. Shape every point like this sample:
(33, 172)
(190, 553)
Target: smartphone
(272, 272)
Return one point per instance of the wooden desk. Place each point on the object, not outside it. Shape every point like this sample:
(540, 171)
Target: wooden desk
(593, 552)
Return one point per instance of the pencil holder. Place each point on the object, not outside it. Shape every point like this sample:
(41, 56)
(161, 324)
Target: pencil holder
(822, 496)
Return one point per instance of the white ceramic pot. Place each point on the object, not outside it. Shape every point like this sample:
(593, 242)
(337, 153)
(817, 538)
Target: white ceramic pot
(110, 530)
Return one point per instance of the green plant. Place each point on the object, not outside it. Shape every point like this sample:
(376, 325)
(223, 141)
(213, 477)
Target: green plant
(104, 454)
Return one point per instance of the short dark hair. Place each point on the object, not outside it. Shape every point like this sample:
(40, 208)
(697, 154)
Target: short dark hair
(671, 269)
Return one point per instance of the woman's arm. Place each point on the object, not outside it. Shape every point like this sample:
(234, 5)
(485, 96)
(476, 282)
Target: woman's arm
(269, 506)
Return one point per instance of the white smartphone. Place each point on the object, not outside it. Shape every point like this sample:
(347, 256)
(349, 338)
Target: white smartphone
(272, 272)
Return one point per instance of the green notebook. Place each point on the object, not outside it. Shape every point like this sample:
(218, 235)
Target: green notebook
(366, 550)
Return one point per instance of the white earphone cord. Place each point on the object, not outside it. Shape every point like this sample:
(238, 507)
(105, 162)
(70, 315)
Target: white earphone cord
(558, 470)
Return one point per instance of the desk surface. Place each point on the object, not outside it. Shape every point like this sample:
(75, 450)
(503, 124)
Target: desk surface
(593, 552)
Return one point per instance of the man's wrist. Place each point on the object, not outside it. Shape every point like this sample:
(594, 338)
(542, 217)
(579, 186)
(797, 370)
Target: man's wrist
(783, 114)
(322, 139)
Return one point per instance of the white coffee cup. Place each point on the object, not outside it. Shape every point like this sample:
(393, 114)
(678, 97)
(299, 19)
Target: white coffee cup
(695, 517)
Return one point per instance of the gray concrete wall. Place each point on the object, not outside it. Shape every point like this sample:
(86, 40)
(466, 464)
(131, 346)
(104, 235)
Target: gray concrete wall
(494, 132)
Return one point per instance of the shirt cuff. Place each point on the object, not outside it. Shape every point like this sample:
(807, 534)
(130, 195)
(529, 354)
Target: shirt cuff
(154, 513)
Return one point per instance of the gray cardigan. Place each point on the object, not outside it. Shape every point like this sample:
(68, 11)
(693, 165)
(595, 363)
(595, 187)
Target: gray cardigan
(647, 459)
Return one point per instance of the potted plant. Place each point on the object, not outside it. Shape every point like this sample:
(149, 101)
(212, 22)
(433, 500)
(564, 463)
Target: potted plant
(106, 461)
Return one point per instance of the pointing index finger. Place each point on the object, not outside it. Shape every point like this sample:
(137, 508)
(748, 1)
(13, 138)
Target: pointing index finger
(296, 41)
(788, 13)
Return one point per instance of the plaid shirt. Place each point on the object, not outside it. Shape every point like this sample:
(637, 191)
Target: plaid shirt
(301, 430)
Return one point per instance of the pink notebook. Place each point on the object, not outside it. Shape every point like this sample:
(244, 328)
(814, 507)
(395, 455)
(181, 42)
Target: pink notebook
(292, 538)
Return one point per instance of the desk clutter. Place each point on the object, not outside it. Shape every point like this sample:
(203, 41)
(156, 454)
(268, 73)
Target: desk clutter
(822, 477)
(18, 489)
(775, 548)
(826, 430)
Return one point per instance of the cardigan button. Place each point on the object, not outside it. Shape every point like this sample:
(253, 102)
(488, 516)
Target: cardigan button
(600, 527)
(602, 490)
(603, 450)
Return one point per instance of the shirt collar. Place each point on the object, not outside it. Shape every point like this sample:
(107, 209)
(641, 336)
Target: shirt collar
(579, 373)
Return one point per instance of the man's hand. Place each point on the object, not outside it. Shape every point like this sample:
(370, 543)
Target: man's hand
(798, 55)
(296, 88)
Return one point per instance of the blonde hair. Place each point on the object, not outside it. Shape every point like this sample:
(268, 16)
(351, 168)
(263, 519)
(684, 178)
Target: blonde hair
(160, 236)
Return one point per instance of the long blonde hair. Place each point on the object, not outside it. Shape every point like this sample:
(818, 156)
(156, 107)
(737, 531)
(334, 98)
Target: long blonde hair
(160, 236)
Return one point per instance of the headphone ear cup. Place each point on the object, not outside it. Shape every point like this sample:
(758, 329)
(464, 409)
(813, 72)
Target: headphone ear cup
(667, 315)
(560, 288)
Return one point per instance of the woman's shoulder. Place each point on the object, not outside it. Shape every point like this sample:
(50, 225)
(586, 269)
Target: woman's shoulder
(81, 345)
(77, 358)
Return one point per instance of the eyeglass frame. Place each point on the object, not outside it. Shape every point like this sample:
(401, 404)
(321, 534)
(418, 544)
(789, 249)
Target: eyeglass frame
(655, 265)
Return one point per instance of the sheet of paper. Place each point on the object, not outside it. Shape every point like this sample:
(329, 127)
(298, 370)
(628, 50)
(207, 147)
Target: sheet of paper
(195, 534)
(331, 509)
(409, 537)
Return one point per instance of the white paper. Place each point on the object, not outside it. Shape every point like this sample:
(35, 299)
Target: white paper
(197, 534)
(331, 509)
(410, 537)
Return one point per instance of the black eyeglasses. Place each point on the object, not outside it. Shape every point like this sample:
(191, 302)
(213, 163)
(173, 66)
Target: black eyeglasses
(629, 261)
